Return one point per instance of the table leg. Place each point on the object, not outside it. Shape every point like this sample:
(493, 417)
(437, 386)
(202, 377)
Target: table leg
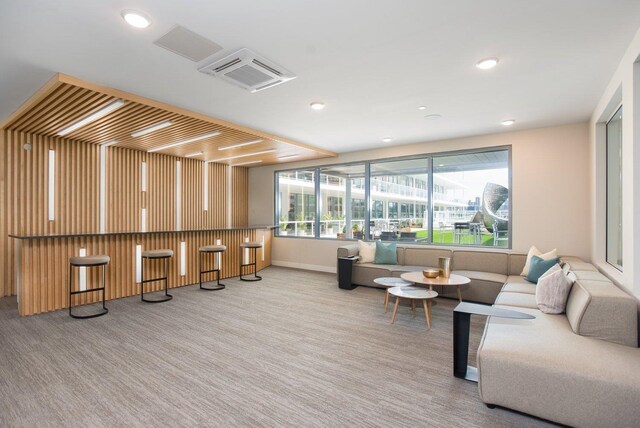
(386, 300)
(459, 293)
(395, 311)
(427, 314)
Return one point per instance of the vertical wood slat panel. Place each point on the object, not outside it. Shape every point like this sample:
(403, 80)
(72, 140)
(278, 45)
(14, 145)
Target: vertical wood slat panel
(240, 192)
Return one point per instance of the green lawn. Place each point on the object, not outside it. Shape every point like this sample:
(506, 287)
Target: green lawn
(446, 237)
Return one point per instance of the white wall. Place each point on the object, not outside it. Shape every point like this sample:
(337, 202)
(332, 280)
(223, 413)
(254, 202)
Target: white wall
(624, 87)
(550, 178)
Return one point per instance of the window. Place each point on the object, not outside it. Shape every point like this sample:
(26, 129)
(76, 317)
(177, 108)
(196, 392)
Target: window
(614, 190)
(460, 198)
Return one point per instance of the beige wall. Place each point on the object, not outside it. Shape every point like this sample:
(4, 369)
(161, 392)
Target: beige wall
(551, 198)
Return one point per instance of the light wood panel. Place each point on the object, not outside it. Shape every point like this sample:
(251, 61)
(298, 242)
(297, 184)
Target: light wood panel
(45, 271)
(240, 187)
(64, 100)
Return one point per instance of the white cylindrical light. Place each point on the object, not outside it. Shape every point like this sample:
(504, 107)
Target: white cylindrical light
(143, 176)
(138, 264)
(143, 220)
(178, 195)
(52, 185)
(246, 253)
(103, 187)
(262, 248)
(183, 258)
(83, 271)
(205, 187)
(218, 256)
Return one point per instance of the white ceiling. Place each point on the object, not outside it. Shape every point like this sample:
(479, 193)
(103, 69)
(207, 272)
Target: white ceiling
(372, 62)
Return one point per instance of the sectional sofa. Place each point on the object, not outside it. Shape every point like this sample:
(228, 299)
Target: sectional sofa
(581, 368)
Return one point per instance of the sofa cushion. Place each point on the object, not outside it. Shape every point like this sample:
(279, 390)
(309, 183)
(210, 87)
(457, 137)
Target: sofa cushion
(386, 253)
(400, 269)
(566, 378)
(552, 291)
(520, 300)
(422, 256)
(365, 273)
(481, 261)
(600, 309)
(367, 251)
(517, 284)
(533, 251)
(590, 275)
(516, 263)
(576, 263)
(539, 266)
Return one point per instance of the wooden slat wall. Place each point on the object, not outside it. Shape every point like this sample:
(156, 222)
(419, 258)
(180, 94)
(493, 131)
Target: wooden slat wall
(45, 270)
(23, 202)
(239, 187)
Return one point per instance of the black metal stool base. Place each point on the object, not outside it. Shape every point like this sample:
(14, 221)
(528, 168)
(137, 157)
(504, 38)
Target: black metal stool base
(213, 287)
(166, 298)
(255, 278)
(104, 311)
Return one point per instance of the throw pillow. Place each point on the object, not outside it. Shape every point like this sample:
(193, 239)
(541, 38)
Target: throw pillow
(533, 251)
(386, 253)
(367, 251)
(552, 291)
(538, 267)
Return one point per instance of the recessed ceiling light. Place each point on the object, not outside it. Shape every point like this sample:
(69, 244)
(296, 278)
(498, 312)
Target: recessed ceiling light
(151, 129)
(190, 155)
(422, 108)
(317, 105)
(243, 156)
(247, 163)
(387, 139)
(440, 164)
(246, 143)
(433, 116)
(288, 157)
(508, 122)
(487, 63)
(92, 117)
(135, 19)
(190, 140)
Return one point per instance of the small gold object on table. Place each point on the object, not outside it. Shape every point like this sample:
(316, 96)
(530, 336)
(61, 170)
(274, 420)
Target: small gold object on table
(444, 263)
(431, 273)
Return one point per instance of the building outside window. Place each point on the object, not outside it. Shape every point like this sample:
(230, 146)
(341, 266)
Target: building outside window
(614, 190)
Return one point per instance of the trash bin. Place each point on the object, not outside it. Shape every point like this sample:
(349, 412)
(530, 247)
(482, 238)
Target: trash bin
(345, 266)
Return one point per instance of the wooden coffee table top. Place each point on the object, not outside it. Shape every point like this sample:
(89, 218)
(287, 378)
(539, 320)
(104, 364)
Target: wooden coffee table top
(419, 278)
(418, 293)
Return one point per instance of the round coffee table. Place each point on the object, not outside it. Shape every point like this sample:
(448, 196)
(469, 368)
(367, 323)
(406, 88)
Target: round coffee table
(389, 282)
(413, 294)
(419, 278)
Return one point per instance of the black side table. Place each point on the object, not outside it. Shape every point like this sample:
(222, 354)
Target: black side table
(345, 266)
(461, 323)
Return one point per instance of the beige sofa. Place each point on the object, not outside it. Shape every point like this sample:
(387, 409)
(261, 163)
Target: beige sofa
(581, 368)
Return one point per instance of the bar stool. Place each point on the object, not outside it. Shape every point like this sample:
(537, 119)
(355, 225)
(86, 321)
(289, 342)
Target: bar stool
(88, 261)
(215, 250)
(156, 255)
(252, 246)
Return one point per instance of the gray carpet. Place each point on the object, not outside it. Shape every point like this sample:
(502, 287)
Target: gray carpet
(292, 350)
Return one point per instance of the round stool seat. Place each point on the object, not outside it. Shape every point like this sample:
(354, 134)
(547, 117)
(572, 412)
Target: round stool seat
(157, 254)
(89, 260)
(251, 245)
(213, 248)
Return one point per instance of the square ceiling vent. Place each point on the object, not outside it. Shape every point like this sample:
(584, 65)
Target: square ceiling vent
(248, 70)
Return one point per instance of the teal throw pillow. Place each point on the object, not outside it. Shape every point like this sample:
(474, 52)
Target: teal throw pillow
(386, 253)
(538, 267)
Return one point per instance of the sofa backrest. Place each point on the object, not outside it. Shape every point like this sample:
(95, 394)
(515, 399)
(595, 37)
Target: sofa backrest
(421, 256)
(482, 261)
(516, 263)
(597, 308)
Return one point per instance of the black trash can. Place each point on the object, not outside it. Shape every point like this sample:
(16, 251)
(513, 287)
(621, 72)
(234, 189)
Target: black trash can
(345, 266)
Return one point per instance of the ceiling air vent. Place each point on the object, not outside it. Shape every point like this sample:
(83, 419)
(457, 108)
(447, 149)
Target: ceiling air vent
(248, 70)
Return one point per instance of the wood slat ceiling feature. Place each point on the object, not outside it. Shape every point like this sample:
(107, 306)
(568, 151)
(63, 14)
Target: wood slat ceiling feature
(64, 100)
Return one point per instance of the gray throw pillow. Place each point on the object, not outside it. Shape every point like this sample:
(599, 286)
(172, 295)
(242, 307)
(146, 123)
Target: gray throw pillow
(552, 291)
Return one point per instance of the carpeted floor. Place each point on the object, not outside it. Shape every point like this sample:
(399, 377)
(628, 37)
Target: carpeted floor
(291, 350)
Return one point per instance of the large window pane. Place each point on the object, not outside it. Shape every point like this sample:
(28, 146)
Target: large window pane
(614, 190)
(399, 194)
(297, 203)
(343, 206)
(471, 199)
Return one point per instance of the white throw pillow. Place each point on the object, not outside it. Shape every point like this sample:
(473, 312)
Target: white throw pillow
(533, 251)
(552, 291)
(367, 251)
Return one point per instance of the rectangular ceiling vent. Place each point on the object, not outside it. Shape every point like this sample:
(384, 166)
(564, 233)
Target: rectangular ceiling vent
(248, 70)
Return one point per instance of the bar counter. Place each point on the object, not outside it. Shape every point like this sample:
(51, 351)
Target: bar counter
(42, 262)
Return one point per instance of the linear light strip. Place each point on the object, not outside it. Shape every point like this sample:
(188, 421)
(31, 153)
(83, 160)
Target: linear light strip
(218, 256)
(52, 185)
(143, 176)
(151, 129)
(143, 220)
(138, 264)
(180, 143)
(247, 143)
(288, 157)
(262, 248)
(183, 258)
(190, 155)
(83, 271)
(247, 163)
(178, 195)
(103, 187)
(92, 117)
(246, 252)
(243, 156)
(205, 187)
